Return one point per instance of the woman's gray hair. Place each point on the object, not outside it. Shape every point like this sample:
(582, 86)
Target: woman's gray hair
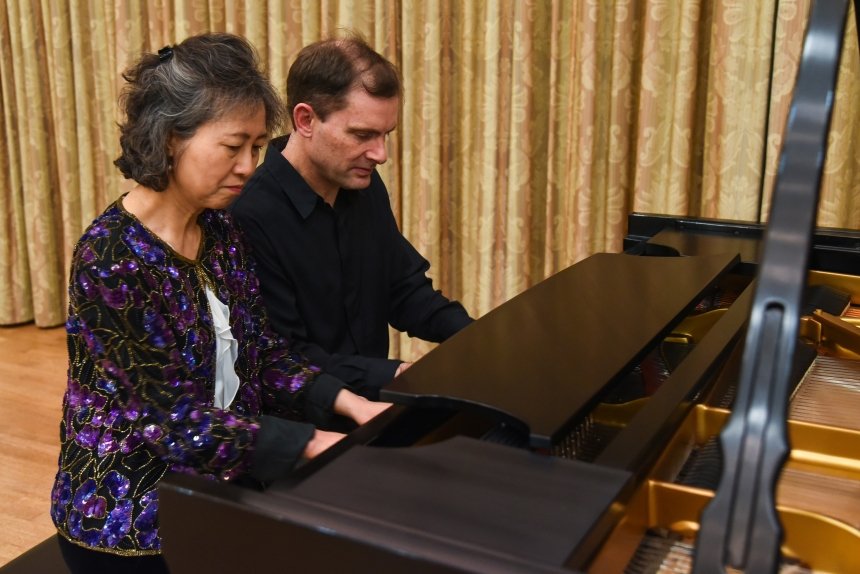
(174, 92)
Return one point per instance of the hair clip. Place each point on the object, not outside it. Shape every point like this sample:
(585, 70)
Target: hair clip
(165, 54)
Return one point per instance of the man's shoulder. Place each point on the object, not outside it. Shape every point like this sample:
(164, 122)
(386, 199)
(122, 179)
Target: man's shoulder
(265, 177)
(259, 194)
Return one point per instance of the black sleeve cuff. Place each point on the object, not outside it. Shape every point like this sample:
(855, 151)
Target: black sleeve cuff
(380, 372)
(447, 322)
(319, 403)
(280, 444)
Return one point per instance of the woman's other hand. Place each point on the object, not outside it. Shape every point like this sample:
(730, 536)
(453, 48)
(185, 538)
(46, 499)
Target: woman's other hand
(357, 407)
(320, 442)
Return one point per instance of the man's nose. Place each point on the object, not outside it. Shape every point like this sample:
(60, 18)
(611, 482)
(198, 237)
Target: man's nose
(378, 151)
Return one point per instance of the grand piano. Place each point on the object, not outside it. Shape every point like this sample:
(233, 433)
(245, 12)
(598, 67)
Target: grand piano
(688, 405)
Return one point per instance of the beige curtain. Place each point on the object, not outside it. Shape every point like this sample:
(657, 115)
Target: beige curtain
(530, 128)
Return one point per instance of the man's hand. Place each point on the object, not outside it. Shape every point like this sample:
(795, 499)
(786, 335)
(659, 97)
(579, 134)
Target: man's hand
(357, 407)
(401, 368)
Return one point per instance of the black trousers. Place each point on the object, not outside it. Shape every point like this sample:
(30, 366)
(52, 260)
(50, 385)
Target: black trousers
(83, 561)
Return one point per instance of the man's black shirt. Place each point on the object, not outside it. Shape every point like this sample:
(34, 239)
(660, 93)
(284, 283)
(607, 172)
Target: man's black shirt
(333, 279)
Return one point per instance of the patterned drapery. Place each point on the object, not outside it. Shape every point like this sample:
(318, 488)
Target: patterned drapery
(530, 128)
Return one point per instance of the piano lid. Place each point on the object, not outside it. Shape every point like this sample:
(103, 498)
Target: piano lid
(541, 359)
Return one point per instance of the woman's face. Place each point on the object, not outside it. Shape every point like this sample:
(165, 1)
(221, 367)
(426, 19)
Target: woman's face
(210, 168)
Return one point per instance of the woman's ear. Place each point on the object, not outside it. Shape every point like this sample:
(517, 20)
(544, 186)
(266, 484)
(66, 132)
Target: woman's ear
(172, 146)
(304, 118)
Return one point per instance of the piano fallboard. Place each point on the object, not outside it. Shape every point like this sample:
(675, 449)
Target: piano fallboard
(461, 505)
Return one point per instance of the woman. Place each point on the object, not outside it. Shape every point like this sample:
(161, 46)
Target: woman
(172, 365)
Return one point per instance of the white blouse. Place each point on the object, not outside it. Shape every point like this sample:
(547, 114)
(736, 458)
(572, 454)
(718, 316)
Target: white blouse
(226, 351)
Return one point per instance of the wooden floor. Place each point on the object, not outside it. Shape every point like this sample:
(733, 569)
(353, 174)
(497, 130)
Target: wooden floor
(32, 382)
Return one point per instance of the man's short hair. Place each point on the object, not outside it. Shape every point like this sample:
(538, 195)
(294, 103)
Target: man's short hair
(325, 72)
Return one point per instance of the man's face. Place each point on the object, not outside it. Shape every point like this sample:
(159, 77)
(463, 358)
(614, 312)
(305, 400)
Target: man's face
(351, 142)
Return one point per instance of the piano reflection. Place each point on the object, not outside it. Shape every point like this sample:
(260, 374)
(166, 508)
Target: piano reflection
(689, 405)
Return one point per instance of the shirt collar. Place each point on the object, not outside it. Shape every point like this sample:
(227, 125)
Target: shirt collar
(302, 196)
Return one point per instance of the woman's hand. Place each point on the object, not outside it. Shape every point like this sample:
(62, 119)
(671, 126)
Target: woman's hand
(349, 405)
(357, 407)
(320, 442)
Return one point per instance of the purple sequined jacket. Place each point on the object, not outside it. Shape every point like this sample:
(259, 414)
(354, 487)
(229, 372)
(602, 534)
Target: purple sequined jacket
(139, 400)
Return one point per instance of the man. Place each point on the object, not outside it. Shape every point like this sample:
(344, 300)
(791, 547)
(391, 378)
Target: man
(334, 269)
